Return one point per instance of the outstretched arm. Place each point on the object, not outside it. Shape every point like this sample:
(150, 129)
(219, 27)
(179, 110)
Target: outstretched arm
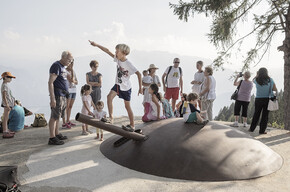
(106, 50)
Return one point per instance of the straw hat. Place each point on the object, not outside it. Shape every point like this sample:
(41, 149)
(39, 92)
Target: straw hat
(7, 74)
(152, 66)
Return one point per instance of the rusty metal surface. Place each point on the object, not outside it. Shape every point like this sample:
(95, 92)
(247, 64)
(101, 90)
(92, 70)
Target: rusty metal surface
(188, 151)
(108, 127)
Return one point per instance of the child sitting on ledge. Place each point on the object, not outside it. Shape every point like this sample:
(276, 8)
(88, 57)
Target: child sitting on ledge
(191, 113)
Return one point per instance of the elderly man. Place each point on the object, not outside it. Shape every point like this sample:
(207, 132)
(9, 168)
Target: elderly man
(172, 82)
(58, 90)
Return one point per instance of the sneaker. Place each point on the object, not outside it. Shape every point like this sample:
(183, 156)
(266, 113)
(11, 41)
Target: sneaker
(236, 124)
(66, 126)
(90, 132)
(71, 124)
(85, 133)
(128, 128)
(245, 125)
(7, 135)
(55, 141)
(61, 137)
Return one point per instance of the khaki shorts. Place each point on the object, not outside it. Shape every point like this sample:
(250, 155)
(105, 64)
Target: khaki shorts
(60, 108)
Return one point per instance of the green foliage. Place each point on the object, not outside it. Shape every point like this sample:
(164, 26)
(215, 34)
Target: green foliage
(276, 118)
(226, 15)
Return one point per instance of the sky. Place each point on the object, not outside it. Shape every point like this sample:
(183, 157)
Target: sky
(33, 33)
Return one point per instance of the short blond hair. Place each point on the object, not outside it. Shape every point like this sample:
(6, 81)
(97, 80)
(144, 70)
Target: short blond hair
(209, 70)
(125, 49)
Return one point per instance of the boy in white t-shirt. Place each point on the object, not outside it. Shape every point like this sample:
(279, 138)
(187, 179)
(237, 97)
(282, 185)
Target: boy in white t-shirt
(173, 82)
(122, 86)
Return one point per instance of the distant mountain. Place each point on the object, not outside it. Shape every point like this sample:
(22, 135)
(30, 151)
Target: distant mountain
(31, 84)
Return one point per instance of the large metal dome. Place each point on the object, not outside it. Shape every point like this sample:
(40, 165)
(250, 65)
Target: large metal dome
(179, 150)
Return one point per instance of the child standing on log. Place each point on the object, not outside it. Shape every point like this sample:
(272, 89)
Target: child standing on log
(122, 86)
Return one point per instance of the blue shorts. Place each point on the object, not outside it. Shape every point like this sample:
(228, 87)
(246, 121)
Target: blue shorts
(72, 95)
(126, 95)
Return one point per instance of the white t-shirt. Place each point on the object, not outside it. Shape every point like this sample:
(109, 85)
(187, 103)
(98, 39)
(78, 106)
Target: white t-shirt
(72, 88)
(99, 114)
(88, 100)
(147, 96)
(124, 71)
(173, 77)
(147, 79)
(196, 88)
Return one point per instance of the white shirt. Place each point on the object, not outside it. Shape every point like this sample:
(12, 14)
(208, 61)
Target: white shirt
(173, 77)
(99, 114)
(147, 79)
(124, 71)
(88, 100)
(196, 88)
(210, 95)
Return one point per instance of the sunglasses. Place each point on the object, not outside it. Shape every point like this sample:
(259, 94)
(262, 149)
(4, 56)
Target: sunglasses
(176, 62)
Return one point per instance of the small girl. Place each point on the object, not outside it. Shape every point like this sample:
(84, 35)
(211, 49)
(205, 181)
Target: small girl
(152, 109)
(87, 103)
(100, 115)
(178, 111)
(167, 109)
(192, 114)
(8, 102)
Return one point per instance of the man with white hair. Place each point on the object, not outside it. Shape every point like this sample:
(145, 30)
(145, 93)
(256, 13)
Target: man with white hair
(58, 90)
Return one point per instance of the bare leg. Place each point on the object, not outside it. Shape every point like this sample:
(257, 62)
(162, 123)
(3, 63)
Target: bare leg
(237, 118)
(173, 103)
(110, 98)
(56, 127)
(130, 113)
(70, 103)
(199, 119)
(5, 119)
(51, 125)
(244, 119)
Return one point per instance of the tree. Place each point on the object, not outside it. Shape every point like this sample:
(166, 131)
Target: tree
(226, 15)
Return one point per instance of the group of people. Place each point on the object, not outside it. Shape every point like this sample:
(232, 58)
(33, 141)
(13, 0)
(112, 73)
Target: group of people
(193, 107)
(265, 88)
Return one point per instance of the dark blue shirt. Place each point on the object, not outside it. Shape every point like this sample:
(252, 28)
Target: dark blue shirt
(61, 83)
(193, 109)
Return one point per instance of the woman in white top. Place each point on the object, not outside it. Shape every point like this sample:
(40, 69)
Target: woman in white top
(207, 93)
(198, 78)
(152, 70)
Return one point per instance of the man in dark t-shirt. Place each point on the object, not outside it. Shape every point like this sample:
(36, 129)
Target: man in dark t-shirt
(58, 89)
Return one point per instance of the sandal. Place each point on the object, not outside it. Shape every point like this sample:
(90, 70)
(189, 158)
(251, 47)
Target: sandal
(7, 135)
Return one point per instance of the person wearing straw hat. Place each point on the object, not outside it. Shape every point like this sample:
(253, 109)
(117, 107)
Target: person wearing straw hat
(152, 70)
(8, 102)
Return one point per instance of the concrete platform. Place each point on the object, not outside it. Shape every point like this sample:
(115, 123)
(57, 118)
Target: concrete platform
(80, 166)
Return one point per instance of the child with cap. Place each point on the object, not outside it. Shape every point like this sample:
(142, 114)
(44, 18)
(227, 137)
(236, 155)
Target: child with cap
(8, 102)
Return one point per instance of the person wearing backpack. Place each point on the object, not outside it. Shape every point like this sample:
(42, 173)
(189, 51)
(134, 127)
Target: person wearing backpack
(172, 82)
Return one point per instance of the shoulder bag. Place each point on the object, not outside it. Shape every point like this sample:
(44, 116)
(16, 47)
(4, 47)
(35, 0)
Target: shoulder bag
(273, 102)
(235, 94)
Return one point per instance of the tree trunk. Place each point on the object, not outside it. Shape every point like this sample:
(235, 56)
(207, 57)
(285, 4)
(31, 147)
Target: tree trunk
(286, 49)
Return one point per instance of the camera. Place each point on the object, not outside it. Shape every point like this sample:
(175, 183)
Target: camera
(240, 74)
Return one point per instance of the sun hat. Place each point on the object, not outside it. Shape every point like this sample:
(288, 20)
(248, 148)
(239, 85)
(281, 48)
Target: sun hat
(152, 66)
(7, 74)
